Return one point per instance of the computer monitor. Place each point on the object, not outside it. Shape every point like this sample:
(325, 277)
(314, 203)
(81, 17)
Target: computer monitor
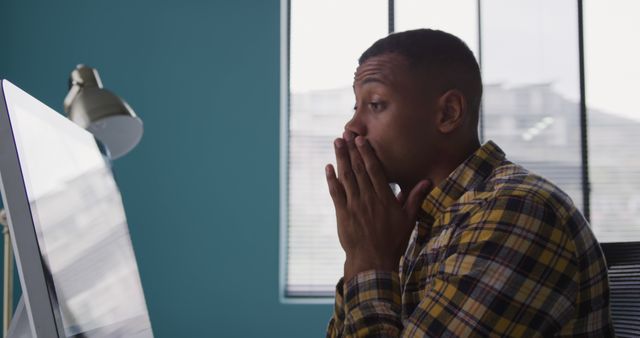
(71, 240)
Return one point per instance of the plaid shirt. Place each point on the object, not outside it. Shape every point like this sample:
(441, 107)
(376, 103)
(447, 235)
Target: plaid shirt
(496, 251)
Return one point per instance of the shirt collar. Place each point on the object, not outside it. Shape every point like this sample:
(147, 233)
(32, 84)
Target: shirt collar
(474, 170)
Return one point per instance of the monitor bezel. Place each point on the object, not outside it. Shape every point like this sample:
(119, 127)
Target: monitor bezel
(31, 269)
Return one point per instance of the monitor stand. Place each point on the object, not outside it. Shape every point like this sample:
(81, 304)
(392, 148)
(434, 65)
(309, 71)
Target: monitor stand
(19, 327)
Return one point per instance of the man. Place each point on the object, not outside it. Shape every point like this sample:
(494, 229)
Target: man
(473, 245)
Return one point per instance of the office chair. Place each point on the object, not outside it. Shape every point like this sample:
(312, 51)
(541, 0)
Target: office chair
(623, 264)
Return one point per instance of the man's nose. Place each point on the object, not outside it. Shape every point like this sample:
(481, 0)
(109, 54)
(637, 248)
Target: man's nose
(356, 125)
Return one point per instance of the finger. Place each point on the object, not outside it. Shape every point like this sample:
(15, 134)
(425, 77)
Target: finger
(402, 198)
(345, 173)
(374, 168)
(335, 187)
(358, 167)
(415, 199)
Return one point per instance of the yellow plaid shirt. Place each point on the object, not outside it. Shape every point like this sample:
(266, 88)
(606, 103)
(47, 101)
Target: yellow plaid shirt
(496, 251)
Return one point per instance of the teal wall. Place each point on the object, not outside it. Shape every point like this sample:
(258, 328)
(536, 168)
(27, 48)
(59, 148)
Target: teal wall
(201, 189)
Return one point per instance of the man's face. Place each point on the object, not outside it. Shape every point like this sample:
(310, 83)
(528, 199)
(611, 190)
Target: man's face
(394, 111)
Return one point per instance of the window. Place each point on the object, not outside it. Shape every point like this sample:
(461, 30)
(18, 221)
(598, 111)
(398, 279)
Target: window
(458, 17)
(535, 100)
(531, 81)
(326, 39)
(613, 118)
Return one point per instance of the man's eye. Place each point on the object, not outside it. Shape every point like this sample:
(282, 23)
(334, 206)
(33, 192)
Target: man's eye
(375, 105)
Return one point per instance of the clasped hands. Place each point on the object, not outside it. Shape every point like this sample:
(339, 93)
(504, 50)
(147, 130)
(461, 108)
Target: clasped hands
(374, 225)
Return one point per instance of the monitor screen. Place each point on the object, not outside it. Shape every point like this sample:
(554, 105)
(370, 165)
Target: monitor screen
(79, 221)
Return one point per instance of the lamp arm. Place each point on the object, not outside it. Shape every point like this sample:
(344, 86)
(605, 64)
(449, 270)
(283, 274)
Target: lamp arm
(7, 285)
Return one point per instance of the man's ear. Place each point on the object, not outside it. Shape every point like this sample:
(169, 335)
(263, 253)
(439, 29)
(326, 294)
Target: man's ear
(453, 108)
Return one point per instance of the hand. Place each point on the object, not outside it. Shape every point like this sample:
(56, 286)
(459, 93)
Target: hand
(373, 225)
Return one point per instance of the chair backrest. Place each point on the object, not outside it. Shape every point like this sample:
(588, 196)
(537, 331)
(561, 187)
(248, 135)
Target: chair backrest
(623, 263)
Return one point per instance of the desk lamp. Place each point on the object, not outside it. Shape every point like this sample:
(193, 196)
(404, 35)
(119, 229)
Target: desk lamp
(105, 115)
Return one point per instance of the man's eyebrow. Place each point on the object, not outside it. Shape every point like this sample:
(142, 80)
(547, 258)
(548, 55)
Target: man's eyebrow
(371, 79)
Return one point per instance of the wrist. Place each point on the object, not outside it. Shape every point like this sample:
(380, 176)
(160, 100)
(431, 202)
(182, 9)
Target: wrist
(355, 265)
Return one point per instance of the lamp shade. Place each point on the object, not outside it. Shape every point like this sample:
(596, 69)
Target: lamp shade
(108, 117)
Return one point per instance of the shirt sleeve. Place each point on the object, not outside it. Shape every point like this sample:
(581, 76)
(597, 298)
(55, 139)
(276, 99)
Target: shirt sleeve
(336, 324)
(369, 306)
(508, 270)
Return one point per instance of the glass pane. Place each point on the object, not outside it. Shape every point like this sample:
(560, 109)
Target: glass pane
(327, 37)
(532, 86)
(612, 85)
(459, 18)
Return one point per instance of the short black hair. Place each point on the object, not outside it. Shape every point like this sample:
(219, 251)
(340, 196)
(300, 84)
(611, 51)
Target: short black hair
(447, 59)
